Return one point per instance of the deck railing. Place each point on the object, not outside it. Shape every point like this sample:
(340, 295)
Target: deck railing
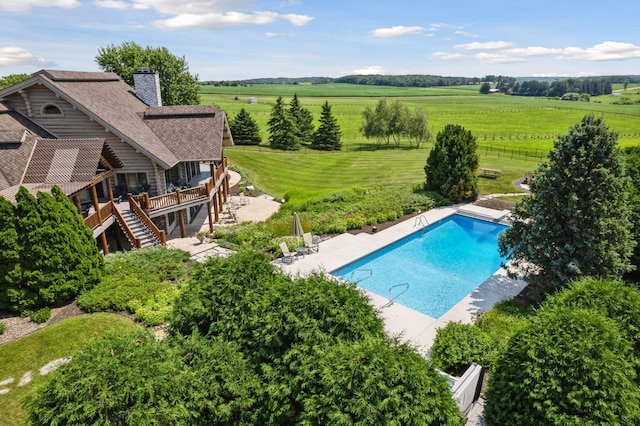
(94, 219)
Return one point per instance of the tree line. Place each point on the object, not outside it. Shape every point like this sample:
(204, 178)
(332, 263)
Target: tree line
(557, 88)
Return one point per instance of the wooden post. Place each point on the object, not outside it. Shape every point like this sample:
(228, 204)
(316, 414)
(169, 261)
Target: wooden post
(209, 214)
(96, 203)
(76, 200)
(183, 233)
(105, 246)
(109, 189)
(215, 208)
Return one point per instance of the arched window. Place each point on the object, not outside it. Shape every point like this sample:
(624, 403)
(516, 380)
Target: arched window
(51, 109)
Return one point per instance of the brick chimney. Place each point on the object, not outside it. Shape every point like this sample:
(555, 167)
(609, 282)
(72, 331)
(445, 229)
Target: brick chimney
(147, 85)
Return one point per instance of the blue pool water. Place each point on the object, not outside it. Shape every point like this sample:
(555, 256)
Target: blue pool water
(441, 265)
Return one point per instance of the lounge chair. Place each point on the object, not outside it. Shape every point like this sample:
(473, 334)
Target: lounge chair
(309, 242)
(287, 256)
(244, 201)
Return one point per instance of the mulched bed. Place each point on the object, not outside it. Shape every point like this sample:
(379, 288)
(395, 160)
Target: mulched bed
(490, 204)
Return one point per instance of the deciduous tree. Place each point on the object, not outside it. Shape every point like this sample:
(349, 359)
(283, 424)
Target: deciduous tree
(452, 164)
(576, 222)
(11, 79)
(177, 85)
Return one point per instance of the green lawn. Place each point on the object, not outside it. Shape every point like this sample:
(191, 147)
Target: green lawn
(32, 352)
(513, 133)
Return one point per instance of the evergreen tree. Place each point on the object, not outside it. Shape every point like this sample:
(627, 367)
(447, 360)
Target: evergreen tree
(9, 250)
(327, 136)
(452, 165)
(58, 257)
(576, 222)
(244, 129)
(281, 129)
(485, 88)
(302, 121)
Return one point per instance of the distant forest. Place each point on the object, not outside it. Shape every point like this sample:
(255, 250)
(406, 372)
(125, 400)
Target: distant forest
(523, 86)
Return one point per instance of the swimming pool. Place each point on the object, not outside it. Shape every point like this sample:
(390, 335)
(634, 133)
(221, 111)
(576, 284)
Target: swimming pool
(441, 265)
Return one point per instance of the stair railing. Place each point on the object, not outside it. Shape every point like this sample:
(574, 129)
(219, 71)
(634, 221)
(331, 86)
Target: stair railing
(159, 234)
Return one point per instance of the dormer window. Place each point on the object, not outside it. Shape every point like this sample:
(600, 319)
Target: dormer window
(51, 109)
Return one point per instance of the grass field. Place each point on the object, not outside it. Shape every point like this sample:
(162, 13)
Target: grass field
(513, 133)
(32, 352)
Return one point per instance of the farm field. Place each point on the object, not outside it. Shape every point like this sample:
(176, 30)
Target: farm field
(513, 133)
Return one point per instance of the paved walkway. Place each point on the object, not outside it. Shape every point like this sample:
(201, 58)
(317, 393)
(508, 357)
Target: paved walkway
(258, 209)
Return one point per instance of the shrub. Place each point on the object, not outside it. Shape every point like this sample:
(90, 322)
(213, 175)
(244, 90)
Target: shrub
(500, 323)
(40, 316)
(611, 298)
(3, 327)
(375, 383)
(568, 366)
(457, 345)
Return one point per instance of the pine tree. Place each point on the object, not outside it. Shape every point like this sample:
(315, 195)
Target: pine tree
(302, 121)
(281, 129)
(327, 136)
(9, 250)
(57, 255)
(576, 222)
(452, 164)
(244, 129)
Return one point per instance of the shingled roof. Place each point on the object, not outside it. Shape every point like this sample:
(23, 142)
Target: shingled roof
(18, 136)
(70, 164)
(189, 131)
(108, 100)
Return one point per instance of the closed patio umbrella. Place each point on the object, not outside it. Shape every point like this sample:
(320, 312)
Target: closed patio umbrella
(296, 230)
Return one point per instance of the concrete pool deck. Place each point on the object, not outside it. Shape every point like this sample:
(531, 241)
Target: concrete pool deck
(414, 327)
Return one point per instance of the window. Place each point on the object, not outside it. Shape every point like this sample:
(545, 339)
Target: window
(133, 182)
(51, 109)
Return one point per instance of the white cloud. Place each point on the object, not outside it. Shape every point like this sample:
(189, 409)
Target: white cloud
(13, 56)
(489, 45)
(111, 4)
(277, 34)
(606, 51)
(297, 20)
(447, 56)
(497, 58)
(397, 31)
(26, 5)
(370, 70)
(218, 20)
(173, 7)
(532, 51)
(466, 34)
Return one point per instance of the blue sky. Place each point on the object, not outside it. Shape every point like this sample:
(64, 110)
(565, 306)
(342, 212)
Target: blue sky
(241, 39)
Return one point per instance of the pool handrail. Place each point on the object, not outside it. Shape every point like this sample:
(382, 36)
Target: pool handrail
(390, 302)
(356, 270)
(422, 221)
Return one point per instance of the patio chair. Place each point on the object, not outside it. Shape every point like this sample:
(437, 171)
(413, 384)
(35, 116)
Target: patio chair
(310, 242)
(243, 200)
(287, 256)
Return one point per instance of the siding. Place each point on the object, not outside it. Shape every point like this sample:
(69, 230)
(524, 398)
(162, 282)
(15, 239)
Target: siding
(75, 124)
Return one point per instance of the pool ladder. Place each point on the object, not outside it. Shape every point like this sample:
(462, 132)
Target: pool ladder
(360, 270)
(421, 221)
(391, 300)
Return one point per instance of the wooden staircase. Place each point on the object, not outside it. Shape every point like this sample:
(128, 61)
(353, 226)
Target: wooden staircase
(142, 235)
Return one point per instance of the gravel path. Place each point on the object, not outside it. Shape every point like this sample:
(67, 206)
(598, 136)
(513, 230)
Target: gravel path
(17, 327)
